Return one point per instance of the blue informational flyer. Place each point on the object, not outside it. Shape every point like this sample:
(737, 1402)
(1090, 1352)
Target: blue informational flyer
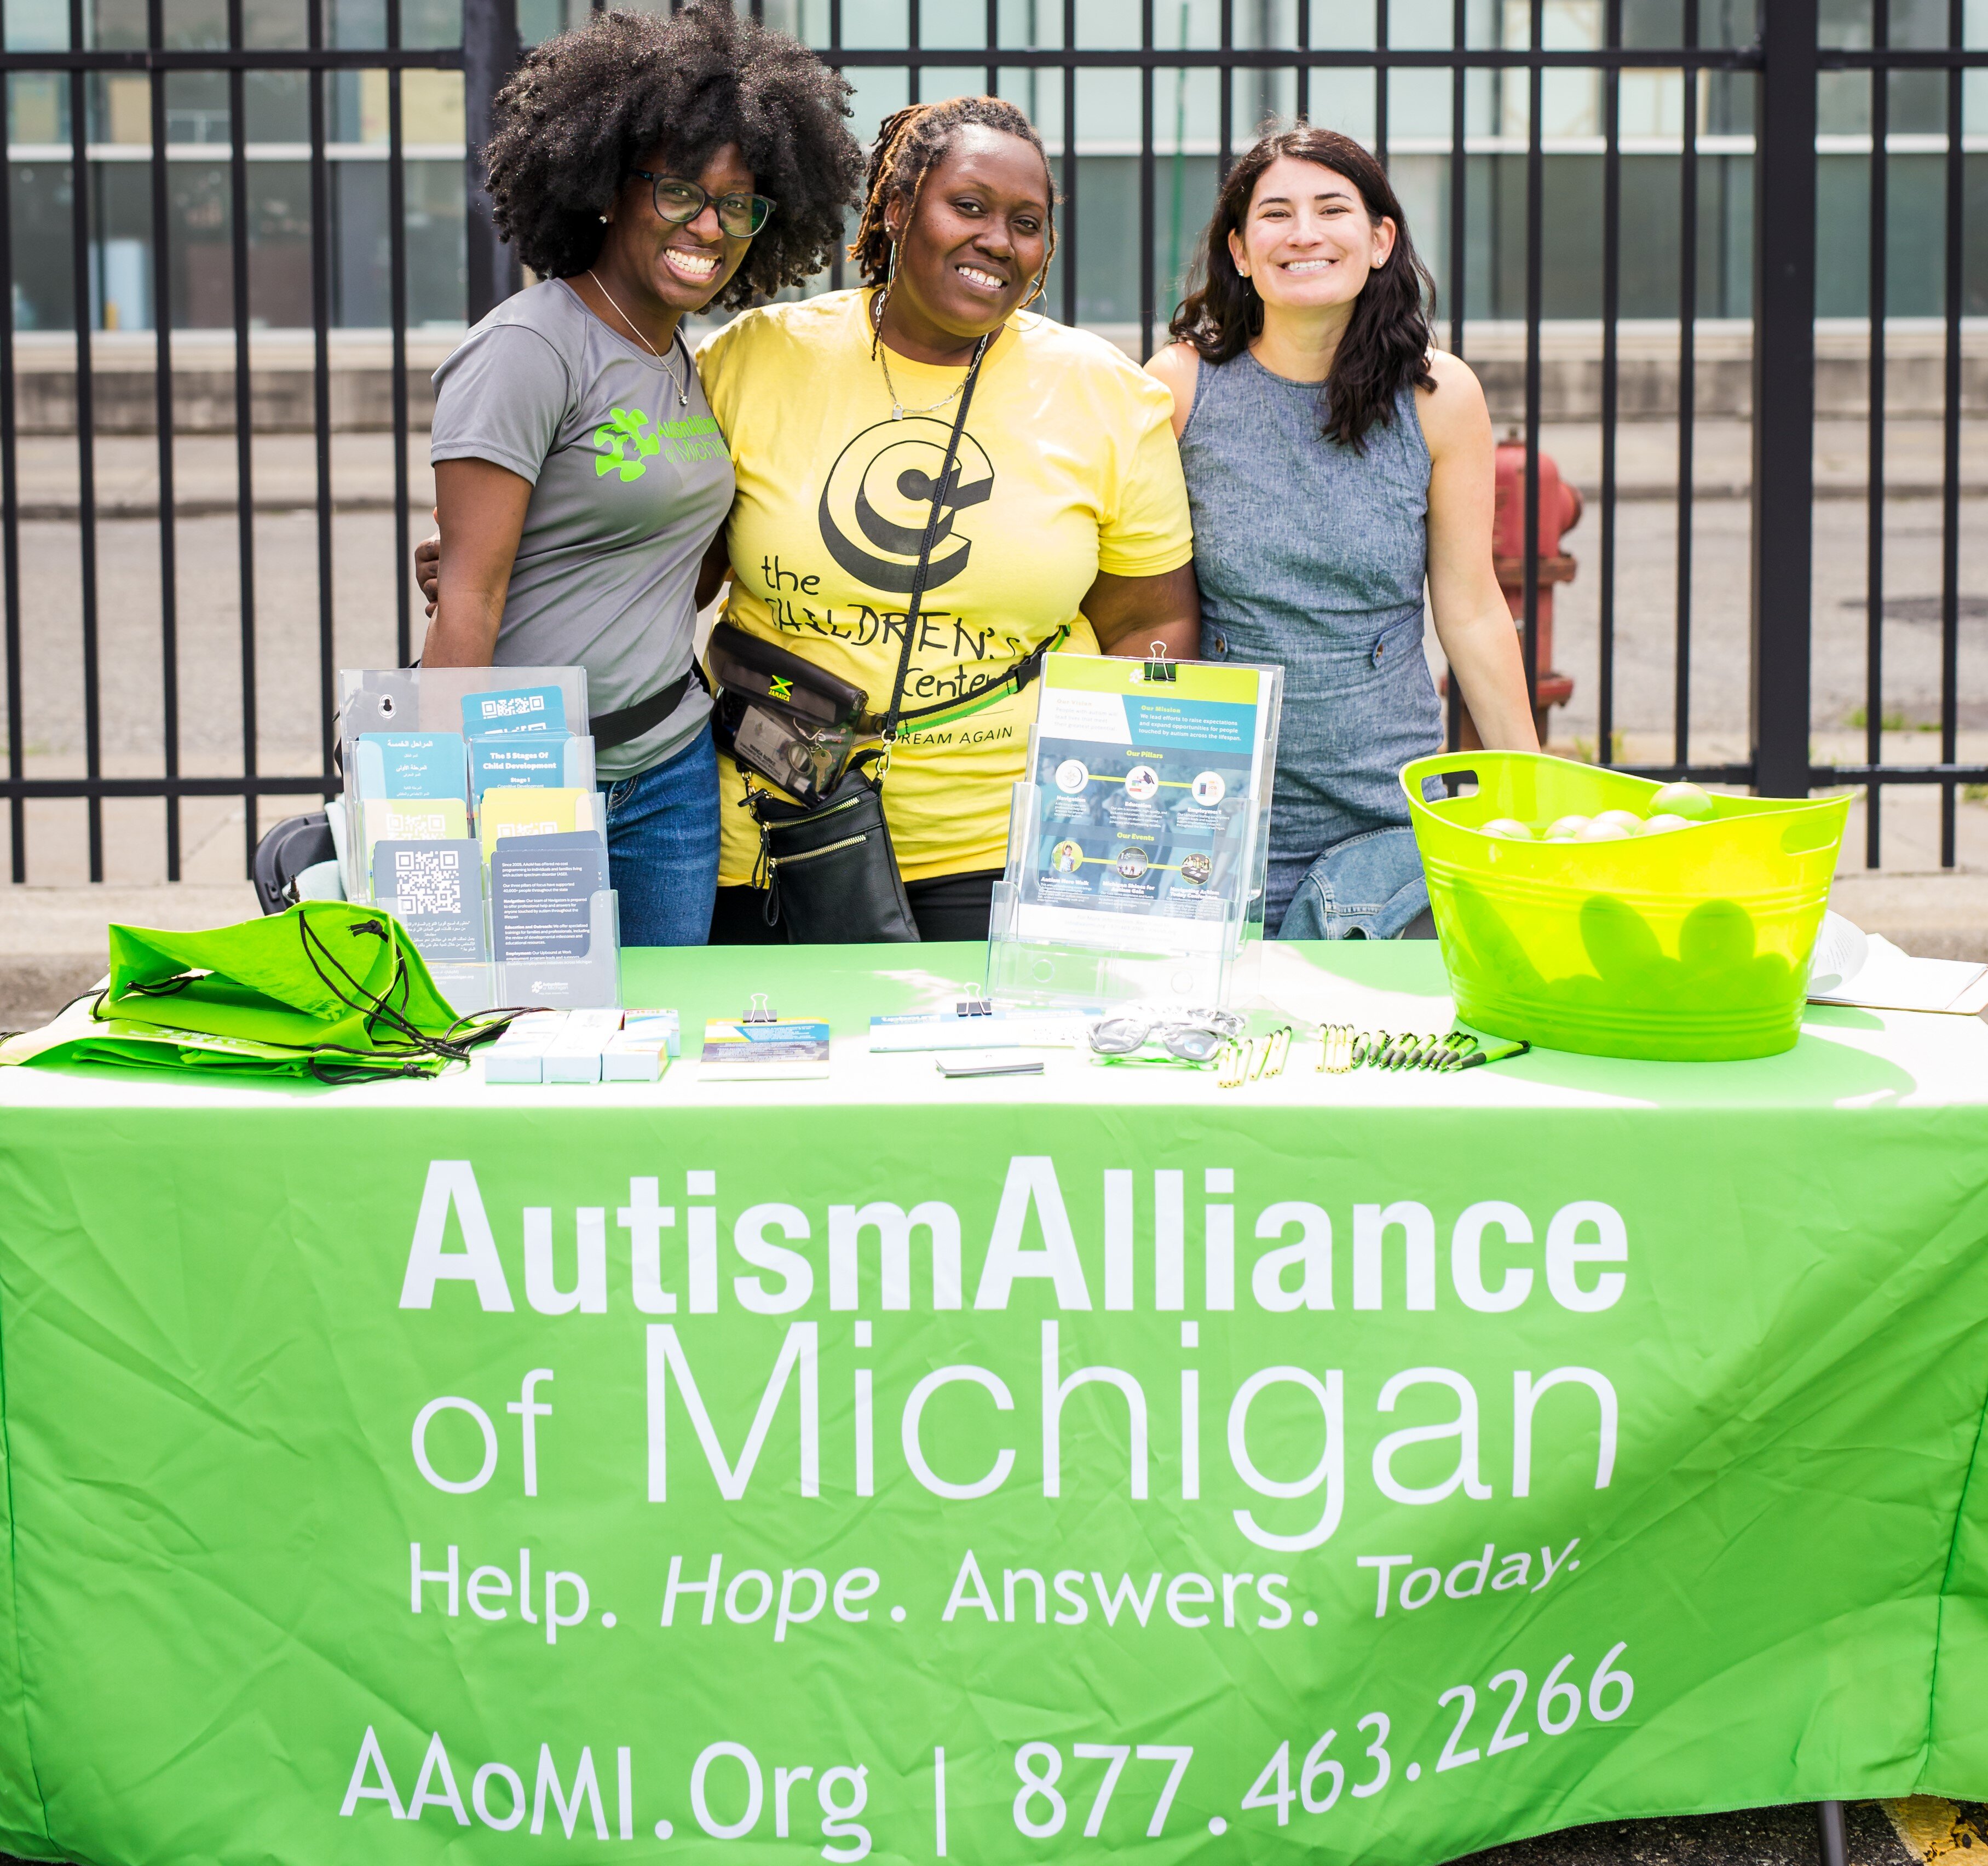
(512, 710)
(425, 765)
(1146, 789)
(530, 758)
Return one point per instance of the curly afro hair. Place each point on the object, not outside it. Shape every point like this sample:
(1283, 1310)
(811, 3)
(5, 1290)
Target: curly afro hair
(586, 106)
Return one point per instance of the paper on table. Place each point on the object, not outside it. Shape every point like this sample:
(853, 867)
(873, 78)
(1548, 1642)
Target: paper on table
(1854, 967)
(1292, 985)
(991, 1030)
(791, 1048)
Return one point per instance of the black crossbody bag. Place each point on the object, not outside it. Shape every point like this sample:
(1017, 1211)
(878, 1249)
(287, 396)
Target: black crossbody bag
(827, 865)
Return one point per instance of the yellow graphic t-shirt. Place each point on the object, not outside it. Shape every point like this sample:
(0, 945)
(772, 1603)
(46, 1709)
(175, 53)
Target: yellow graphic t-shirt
(1068, 467)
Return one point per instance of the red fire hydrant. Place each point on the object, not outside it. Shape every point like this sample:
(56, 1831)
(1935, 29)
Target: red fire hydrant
(1559, 509)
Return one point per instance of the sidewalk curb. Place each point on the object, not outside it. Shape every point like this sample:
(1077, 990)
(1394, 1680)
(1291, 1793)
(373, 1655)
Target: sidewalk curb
(34, 986)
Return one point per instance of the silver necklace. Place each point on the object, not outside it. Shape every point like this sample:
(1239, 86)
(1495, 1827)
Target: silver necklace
(681, 384)
(898, 410)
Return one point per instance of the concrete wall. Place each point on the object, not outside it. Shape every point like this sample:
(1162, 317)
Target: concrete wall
(281, 381)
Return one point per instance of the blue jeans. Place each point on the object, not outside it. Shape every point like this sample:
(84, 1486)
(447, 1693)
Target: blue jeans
(1369, 886)
(662, 847)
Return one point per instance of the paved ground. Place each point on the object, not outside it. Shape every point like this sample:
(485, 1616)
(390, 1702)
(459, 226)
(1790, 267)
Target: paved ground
(1881, 1834)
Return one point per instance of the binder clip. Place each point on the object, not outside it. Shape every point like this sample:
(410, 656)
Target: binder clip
(761, 1012)
(1158, 666)
(974, 1007)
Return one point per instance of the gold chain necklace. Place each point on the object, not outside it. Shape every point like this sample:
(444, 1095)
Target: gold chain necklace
(681, 384)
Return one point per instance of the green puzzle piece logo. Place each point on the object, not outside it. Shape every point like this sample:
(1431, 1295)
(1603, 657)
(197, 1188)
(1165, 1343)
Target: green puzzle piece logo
(625, 426)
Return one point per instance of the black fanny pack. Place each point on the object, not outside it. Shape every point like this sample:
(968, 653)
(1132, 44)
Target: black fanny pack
(801, 729)
(826, 861)
(796, 725)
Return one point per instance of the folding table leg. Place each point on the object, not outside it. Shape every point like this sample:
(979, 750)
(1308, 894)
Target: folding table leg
(1829, 1821)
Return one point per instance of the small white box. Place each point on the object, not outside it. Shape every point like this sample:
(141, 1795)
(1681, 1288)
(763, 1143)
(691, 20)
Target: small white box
(641, 1051)
(622, 1061)
(665, 1027)
(518, 1055)
(574, 1055)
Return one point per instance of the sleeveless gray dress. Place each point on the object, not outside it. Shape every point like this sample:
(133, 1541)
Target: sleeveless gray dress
(1313, 555)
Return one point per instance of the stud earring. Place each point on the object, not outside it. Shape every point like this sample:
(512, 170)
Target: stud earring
(603, 219)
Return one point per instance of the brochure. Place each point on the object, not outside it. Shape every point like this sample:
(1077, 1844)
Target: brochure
(410, 765)
(542, 890)
(1146, 789)
(435, 891)
(407, 819)
(545, 760)
(788, 1050)
(510, 710)
(531, 809)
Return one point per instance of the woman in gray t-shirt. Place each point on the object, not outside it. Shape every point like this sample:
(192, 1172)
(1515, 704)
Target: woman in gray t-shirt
(644, 166)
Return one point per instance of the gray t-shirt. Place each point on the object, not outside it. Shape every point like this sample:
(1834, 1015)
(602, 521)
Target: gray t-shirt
(628, 488)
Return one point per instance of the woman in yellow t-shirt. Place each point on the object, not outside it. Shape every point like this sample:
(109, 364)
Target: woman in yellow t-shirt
(1067, 515)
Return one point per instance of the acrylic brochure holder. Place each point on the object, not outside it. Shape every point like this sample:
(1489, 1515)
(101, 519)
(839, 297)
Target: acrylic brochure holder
(1138, 841)
(471, 815)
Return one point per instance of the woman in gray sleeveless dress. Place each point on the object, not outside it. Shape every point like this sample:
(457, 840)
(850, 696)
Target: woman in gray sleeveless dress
(1335, 463)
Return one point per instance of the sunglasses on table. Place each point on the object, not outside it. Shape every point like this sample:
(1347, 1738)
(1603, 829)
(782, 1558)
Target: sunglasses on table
(1192, 1035)
(681, 202)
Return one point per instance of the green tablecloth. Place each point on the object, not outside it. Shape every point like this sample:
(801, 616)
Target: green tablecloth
(993, 1471)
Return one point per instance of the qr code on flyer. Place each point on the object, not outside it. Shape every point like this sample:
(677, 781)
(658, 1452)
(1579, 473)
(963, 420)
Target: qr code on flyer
(427, 881)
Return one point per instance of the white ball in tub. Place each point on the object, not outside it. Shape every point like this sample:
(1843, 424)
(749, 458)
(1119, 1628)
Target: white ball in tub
(1685, 801)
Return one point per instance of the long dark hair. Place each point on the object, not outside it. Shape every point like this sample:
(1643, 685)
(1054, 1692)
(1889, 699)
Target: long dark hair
(1385, 346)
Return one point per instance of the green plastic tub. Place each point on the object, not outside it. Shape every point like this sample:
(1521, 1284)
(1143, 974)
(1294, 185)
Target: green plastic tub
(1692, 945)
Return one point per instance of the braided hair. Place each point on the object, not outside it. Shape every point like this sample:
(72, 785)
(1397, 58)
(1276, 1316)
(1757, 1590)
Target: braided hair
(910, 144)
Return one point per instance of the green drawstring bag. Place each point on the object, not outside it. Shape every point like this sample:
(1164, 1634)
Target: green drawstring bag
(331, 990)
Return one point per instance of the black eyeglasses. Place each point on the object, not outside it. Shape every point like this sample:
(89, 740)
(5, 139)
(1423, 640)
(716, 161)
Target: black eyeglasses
(681, 202)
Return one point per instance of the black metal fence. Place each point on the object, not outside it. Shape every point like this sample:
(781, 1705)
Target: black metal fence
(1768, 63)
